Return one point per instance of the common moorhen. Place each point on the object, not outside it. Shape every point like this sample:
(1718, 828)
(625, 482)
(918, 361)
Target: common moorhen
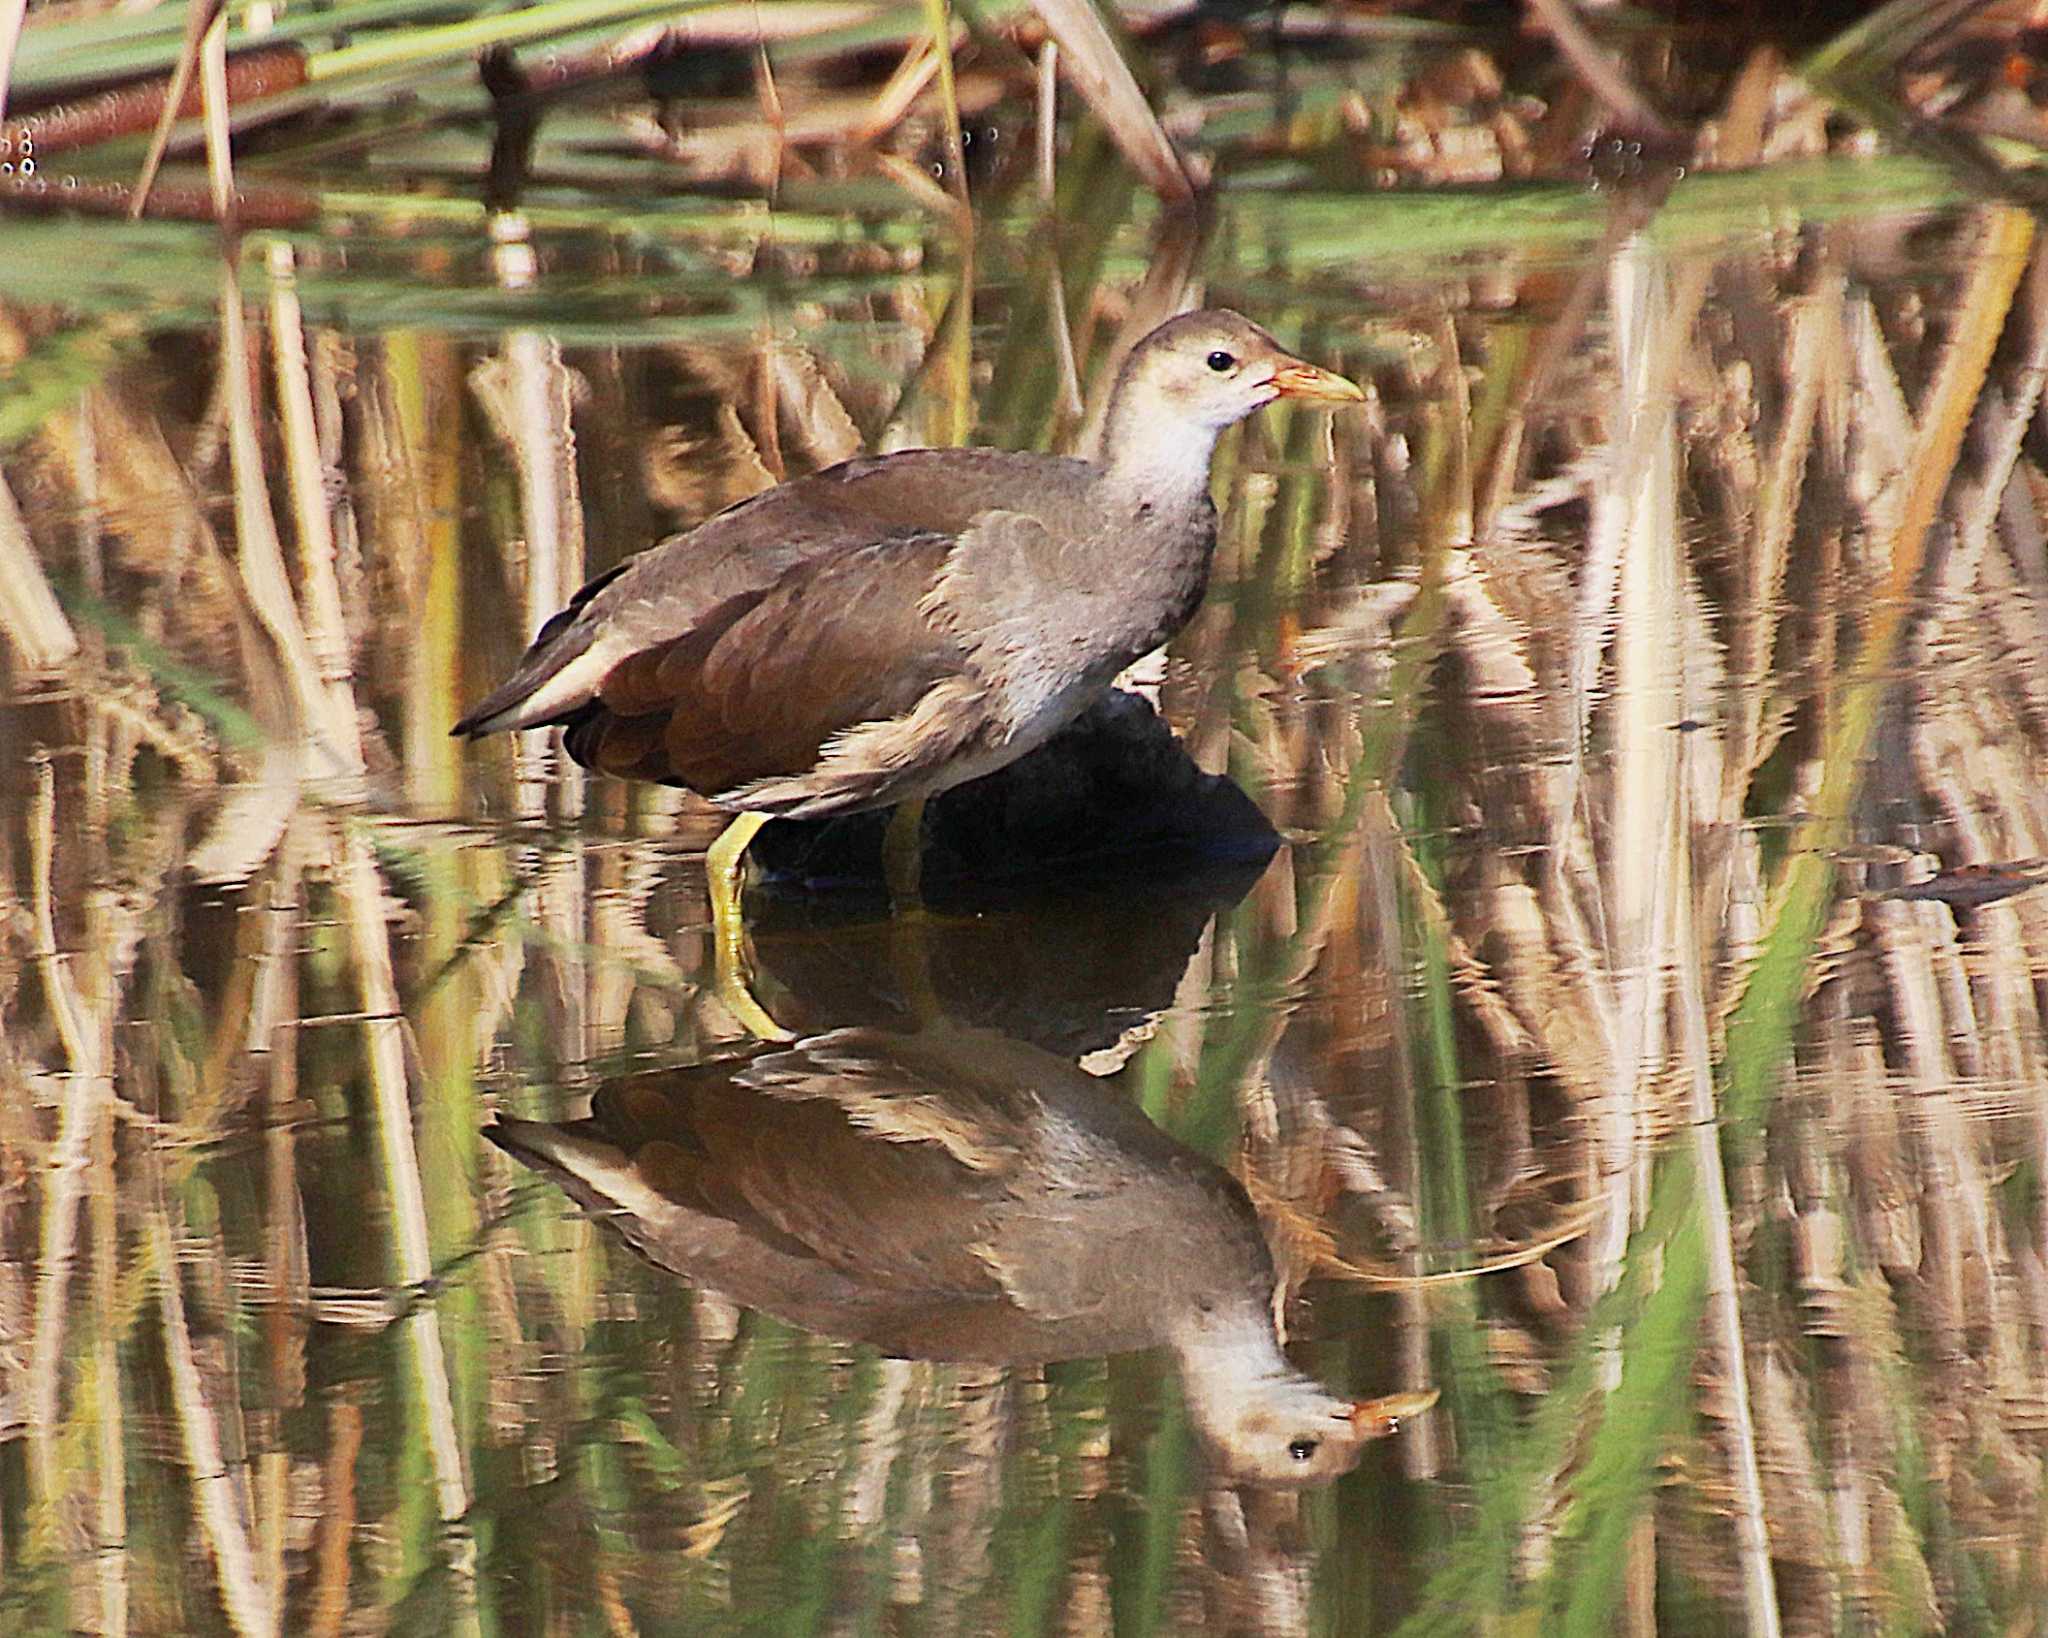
(900, 624)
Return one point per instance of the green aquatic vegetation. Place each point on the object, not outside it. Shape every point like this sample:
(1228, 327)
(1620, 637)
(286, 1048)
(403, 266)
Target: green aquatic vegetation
(56, 369)
(1145, 1535)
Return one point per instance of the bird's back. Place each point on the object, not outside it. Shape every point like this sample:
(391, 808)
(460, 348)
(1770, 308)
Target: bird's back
(667, 591)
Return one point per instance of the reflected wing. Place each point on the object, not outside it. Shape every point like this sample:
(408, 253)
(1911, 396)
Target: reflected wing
(922, 1171)
(964, 1173)
(825, 1156)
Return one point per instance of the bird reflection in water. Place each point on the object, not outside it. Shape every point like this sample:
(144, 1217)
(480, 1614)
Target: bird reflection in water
(955, 1194)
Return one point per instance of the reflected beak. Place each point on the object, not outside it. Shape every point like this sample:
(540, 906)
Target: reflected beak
(1376, 1418)
(1296, 379)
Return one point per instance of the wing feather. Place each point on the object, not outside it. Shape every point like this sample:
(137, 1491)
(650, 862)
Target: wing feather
(824, 692)
(661, 595)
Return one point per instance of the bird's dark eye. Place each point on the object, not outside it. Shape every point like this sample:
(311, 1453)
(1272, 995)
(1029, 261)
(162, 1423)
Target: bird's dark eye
(1219, 361)
(1302, 1449)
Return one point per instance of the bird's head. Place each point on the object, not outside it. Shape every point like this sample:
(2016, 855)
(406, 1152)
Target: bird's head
(1264, 1422)
(1211, 368)
(1187, 381)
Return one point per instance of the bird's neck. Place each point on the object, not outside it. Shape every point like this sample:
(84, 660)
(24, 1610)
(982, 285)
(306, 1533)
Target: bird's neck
(1227, 1355)
(1156, 461)
(1238, 1386)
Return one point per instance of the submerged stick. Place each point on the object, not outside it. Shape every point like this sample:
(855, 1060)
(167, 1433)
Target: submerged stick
(1603, 76)
(260, 205)
(939, 18)
(1694, 1055)
(64, 1173)
(32, 624)
(219, 1501)
(952, 345)
(213, 112)
(12, 14)
(1071, 404)
(322, 617)
(360, 887)
(334, 746)
(197, 21)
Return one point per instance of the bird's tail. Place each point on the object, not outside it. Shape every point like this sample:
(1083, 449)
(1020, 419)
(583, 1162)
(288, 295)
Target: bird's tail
(560, 671)
(596, 1174)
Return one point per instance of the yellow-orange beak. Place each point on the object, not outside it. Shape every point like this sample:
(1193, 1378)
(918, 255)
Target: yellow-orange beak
(1376, 1418)
(1297, 379)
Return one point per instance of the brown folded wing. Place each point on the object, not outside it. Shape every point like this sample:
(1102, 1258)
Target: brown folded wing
(668, 591)
(766, 682)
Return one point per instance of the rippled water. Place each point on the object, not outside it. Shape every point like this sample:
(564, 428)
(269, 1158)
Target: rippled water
(1581, 1029)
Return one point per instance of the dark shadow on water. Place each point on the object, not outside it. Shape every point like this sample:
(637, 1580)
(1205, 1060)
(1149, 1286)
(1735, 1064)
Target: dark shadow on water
(1062, 897)
(1113, 798)
(1068, 972)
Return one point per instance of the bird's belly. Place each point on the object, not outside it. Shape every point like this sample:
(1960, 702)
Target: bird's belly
(1033, 727)
(960, 731)
(996, 1333)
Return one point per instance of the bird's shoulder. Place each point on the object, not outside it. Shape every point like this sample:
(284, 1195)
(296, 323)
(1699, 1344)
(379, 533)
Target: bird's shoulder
(802, 529)
(953, 1103)
(874, 498)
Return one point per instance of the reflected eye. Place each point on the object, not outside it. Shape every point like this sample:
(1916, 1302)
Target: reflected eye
(1302, 1449)
(1219, 361)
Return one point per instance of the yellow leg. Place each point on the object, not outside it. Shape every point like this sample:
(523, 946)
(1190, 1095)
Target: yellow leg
(909, 928)
(724, 870)
(910, 960)
(903, 853)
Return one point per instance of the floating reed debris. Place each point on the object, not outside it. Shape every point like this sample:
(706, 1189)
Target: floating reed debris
(130, 110)
(255, 204)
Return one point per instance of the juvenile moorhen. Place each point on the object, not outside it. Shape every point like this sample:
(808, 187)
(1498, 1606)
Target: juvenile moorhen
(899, 624)
(956, 1194)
